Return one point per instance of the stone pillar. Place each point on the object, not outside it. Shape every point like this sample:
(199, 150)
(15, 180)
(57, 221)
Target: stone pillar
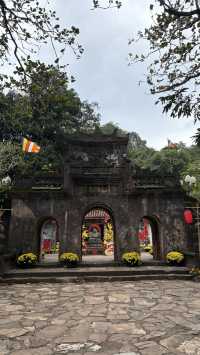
(2, 243)
(127, 224)
(72, 229)
(68, 183)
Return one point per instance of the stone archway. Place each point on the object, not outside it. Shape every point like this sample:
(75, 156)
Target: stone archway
(97, 171)
(98, 234)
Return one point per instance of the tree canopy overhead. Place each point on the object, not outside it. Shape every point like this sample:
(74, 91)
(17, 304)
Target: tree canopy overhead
(25, 25)
(174, 47)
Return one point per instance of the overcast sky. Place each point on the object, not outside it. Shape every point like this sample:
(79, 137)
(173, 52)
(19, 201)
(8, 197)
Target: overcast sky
(103, 75)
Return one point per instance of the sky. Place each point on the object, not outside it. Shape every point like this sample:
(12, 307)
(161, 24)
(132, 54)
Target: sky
(104, 76)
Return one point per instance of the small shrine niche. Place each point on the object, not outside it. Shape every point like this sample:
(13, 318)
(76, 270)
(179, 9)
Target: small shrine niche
(98, 233)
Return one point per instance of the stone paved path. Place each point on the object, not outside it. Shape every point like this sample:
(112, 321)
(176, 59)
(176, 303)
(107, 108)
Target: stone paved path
(146, 318)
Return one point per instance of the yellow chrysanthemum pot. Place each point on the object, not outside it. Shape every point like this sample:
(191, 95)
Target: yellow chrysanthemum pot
(131, 258)
(69, 259)
(175, 258)
(27, 260)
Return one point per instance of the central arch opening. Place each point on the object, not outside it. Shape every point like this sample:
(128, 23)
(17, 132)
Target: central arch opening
(97, 236)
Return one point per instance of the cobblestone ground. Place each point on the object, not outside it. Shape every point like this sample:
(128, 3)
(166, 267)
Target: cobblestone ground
(146, 318)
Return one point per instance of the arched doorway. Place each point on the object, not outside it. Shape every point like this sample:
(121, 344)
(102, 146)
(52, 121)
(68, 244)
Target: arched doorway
(49, 241)
(97, 236)
(149, 238)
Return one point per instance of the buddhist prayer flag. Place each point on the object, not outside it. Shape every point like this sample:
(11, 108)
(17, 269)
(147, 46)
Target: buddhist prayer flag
(30, 147)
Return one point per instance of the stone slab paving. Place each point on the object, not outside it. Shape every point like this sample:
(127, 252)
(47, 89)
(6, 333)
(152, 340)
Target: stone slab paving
(120, 318)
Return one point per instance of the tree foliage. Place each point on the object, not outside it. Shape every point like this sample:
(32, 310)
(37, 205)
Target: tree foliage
(140, 156)
(25, 25)
(135, 141)
(169, 161)
(178, 162)
(193, 169)
(174, 73)
(107, 4)
(112, 128)
(43, 108)
(10, 157)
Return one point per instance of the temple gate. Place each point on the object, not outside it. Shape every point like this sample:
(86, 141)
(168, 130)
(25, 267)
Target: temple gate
(98, 175)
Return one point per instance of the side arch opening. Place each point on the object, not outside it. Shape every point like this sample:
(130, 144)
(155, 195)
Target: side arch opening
(49, 244)
(149, 238)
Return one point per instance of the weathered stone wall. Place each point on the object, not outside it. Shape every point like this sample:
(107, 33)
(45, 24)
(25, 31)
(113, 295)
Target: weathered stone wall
(117, 207)
(166, 208)
(4, 225)
(3, 238)
(29, 212)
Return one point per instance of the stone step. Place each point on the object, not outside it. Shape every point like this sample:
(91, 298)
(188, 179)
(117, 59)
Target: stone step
(113, 264)
(93, 278)
(99, 263)
(50, 265)
(84, 272)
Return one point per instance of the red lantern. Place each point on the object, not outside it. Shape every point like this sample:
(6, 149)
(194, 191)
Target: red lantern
(188, 218)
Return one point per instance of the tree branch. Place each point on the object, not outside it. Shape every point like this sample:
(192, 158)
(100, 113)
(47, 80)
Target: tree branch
(3, 8)
(172, 11)
(176, 85)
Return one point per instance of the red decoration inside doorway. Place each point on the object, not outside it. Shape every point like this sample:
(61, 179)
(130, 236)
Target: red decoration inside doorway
(188, 217)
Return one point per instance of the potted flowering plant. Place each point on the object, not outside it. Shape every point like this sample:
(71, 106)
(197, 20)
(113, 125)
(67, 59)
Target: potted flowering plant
(195, 273)
(27, 260)
(131, 258)
(69, 259)
(175, 258)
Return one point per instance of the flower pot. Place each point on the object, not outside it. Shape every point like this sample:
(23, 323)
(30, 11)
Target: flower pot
(26, 266)
(70, 265)
(131, 259)
(131, 264)
(69, 259)
(174, 263)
